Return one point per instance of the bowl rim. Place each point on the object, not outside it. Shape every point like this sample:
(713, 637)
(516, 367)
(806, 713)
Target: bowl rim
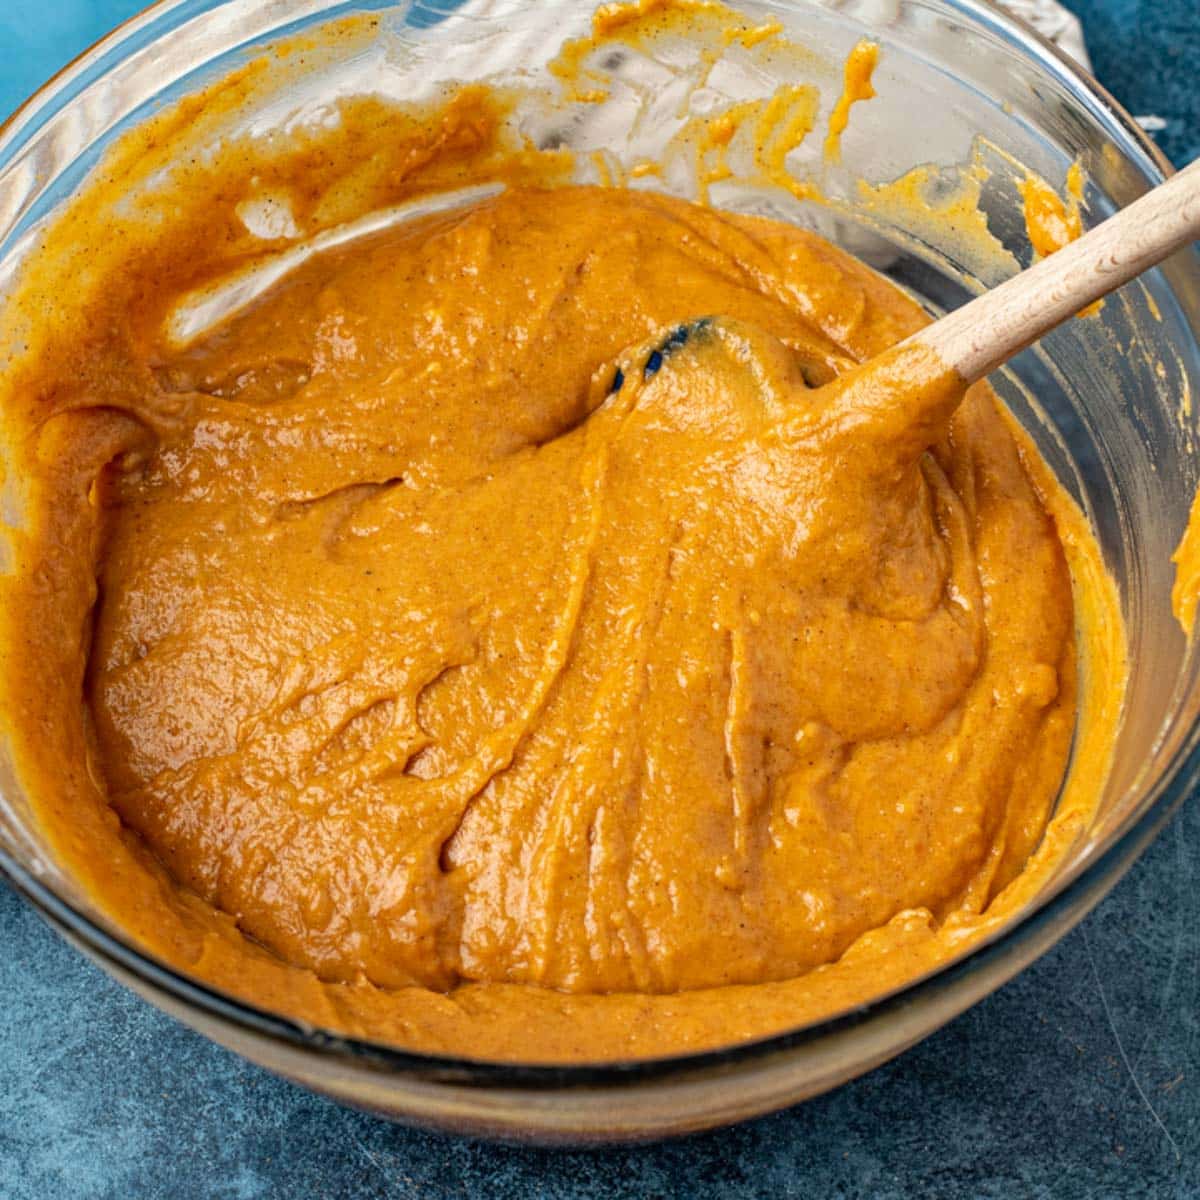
(1063, 903)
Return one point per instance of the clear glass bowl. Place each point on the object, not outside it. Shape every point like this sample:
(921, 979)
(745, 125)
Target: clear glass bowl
(1109, 417)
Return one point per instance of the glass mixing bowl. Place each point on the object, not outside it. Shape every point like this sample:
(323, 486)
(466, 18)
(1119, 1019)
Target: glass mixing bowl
(1111, 417)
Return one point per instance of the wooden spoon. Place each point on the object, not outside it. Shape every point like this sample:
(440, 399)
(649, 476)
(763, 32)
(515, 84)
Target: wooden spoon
(986, 332)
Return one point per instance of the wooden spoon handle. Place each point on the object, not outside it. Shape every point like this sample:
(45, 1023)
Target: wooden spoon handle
(978, 337)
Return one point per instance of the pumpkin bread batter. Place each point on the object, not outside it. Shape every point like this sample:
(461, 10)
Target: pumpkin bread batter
(430, 656)
(528, 632)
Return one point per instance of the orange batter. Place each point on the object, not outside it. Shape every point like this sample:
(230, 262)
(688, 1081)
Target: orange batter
(528, 633)
(428, 662)
(860, 66)
(1050, 220)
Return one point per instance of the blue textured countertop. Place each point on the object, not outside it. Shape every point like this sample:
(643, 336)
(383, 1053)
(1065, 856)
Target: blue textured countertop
(1080, 1078)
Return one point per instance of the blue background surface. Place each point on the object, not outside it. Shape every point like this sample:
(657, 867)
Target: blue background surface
(1080, 1078)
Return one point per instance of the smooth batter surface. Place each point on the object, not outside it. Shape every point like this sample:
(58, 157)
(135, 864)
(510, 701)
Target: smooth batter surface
(428, 662)
(526, 633)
